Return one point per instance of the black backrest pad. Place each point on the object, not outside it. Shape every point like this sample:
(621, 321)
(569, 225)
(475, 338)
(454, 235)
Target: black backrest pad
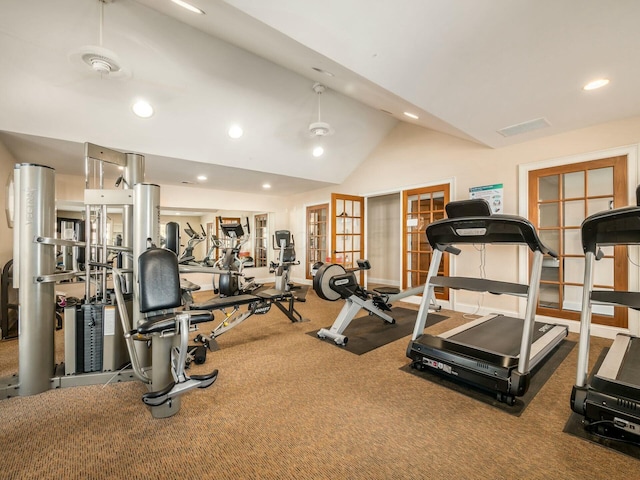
(159, 280)
(482, 230)
(172, 236)
(473, 207)
(611, 227)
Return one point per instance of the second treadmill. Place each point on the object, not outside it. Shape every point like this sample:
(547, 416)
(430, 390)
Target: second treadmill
(495, 352)
(610, 401)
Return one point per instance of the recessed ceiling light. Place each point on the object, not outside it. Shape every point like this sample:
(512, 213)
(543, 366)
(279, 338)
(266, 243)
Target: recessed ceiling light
(120, 168)
(188, 6)
(266, 186)
(319, 70)
(202, 178)
(318, 151)
(600, 82)
(411, 115)
(235, 131)
(142, 109)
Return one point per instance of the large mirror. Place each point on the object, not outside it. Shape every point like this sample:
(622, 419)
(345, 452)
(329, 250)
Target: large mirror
(202, 235)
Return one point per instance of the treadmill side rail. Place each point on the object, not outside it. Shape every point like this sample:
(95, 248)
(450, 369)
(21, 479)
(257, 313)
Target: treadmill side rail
(613, 361)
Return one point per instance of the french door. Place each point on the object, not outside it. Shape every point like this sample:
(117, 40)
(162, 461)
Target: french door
(317, 218)
(422, 206)
(560, 198)
(347, 219)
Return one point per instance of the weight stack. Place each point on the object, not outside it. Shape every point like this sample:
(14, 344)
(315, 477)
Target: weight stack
(89, 339)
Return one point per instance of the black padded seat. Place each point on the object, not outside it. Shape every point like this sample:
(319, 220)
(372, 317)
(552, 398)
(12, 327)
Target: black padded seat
(224, 302)
(161, 323)
(159, 279)
(273, 294)
(387, 290)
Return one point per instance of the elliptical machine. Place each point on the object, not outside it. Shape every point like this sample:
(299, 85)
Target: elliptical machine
(285, 243)
(215, 243)
(194, 239)
(231, 283)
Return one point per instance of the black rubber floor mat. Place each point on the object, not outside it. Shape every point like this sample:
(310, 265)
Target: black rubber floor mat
(368, 332)
(540, 374)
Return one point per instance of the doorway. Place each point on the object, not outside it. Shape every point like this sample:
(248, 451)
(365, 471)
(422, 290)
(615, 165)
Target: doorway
(383, 246)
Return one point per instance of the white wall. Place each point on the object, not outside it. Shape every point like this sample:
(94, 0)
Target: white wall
(6, 234)
(411, 156)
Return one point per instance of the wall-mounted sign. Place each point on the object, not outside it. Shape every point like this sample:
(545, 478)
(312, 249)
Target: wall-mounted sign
(491, 193)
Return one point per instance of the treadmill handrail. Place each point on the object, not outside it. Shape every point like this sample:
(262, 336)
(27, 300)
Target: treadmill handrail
(481, 285)
(620, 226)
(616, 297)
(504, 229)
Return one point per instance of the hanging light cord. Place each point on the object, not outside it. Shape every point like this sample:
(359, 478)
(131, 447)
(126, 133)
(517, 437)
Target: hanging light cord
(101, 22)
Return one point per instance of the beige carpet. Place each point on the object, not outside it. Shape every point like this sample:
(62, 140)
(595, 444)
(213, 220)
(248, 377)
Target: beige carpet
(285, 406)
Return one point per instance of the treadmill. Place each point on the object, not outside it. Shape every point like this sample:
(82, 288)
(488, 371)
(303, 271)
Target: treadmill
(496, 352)
(610, 402)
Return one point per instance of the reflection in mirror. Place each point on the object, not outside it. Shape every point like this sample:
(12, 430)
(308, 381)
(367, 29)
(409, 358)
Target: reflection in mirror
(198, 230)
(198, 223)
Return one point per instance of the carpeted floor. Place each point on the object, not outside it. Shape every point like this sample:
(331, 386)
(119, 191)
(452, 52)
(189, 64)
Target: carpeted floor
(287, 407)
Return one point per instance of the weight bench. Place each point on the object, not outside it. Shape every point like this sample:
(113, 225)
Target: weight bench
(257, 303)
(167, 329)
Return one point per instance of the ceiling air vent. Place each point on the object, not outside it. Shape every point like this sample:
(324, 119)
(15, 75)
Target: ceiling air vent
(524, 127)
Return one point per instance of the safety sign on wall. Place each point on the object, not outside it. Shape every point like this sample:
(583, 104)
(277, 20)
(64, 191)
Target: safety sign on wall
(491, 193)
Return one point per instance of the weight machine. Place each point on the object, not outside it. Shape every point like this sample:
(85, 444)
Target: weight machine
(96, 346)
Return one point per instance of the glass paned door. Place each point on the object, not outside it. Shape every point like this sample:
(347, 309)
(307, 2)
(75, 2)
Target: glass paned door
(560, 198)
(421, 207)
(316, 236)
(347, 233)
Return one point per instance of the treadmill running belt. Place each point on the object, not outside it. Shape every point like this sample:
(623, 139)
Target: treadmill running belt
(630, 369)
(500, 334)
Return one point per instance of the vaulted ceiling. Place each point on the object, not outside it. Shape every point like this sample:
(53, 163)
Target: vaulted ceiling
(468, 68)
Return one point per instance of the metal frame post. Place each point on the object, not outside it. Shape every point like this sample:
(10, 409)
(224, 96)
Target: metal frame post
(36, 188)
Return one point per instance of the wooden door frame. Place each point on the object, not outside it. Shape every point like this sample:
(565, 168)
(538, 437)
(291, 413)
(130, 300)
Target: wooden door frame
(446, 187)
(631, 152)
(619, 165)
(327, 246)
(332, 212)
